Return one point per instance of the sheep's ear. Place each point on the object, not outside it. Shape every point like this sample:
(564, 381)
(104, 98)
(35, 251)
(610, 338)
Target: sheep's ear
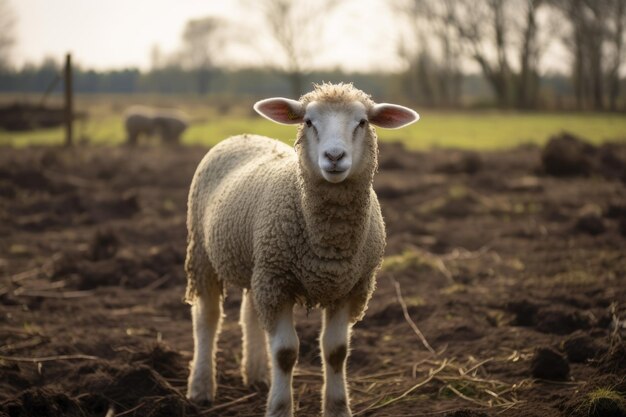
(392, 116)
(281, 110)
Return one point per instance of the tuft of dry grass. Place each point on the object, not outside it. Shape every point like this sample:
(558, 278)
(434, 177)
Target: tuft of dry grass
(446, 377)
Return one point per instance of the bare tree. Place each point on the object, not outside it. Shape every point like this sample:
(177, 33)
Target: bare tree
(528, 80)
(436, 78)
(595, 38)
(488, 30)
(616, 34)
(574, 40)
(203, 40)
(481, 27)
(7, 33)
(500, 36)
(296, 27)
(595, 31)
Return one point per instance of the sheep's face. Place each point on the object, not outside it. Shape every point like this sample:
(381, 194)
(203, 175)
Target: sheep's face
(336, 135)
(335, 138)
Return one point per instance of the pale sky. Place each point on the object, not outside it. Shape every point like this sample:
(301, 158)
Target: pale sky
(104, 34)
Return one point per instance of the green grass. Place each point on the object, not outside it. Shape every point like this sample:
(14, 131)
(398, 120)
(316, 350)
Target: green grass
(492, 130)
(602, 402)
(479, 130)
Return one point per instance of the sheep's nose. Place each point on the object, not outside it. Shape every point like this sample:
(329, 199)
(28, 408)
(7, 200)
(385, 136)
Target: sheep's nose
(335, 154)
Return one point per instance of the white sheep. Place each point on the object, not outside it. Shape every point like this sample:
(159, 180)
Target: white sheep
(145, 121)
(289, 226)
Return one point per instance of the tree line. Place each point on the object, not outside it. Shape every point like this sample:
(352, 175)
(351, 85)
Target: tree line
(474, 91)
(504, 40)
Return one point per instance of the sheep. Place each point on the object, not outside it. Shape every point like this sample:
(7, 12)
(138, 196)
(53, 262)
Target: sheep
(138, 121)
(288, 225)
(168, 123)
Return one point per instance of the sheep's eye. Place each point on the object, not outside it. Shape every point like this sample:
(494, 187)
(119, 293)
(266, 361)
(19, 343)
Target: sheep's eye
(308, 122)
(362, 123)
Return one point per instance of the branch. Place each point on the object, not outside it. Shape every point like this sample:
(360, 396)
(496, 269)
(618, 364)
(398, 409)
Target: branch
(49, 358)
(410, 321)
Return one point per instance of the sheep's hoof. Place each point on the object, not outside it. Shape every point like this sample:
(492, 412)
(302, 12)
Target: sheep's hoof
(201, 403)
(259, 385)
(200, 393)
(203, 400)
(256, 377)
(337, 408)
(344, 413)
(279, 410)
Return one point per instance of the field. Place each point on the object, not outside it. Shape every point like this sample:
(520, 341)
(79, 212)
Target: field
(212, 123)
(516, 278)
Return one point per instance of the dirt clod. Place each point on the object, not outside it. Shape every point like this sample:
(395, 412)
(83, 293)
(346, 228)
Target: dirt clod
(549, 364)
(42, 402)
(131, 383)
(104, 245)
(561, 321)
(590, 223)
(581, 347)
(607, 407)
(525, 312)
(167, 362)
(566, 155)
(622, 227)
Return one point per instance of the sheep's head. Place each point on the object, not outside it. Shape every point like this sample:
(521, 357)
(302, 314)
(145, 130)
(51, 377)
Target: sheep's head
(335, 133)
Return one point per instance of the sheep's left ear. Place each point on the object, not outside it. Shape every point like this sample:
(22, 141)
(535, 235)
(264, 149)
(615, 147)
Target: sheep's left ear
(281, 110)
(391, 116)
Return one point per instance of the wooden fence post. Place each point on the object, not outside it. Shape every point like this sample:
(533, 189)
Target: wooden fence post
(69, 112)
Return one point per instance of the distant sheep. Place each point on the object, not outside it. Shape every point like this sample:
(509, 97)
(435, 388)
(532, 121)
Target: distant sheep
(289, 226)
(169, 124)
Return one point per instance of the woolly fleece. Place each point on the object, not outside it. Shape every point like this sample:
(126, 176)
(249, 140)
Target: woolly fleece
(260, 218)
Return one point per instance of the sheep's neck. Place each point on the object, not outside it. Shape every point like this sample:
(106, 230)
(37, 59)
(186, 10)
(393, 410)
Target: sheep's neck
(336, 215)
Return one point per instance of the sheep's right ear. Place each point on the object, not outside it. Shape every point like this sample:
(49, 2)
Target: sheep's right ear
(281, 110)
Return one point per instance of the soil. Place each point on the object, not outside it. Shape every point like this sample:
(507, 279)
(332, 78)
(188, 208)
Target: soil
(500, 260)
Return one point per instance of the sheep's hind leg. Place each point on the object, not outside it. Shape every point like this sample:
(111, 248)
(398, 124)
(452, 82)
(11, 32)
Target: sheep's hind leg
(207, 316)
(132, 138)
(284, 351)
(255, 362)
(334, 345)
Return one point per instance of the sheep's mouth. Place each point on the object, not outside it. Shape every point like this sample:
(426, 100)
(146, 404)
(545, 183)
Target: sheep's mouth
(335, 170)
(334, 174)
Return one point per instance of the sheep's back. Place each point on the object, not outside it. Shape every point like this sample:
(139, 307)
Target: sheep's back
(172, 117)
(232, 181)
(138, 118)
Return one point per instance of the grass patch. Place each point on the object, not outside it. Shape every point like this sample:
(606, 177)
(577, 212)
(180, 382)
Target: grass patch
(416, 260)
(481, 130)
(496, 130)
(603, 402)
(576, 278)
(409, 259)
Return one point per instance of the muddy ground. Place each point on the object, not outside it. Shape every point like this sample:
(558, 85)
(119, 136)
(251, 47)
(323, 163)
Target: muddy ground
(512, 268)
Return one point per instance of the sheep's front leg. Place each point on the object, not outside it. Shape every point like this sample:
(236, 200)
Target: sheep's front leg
(284, 350)
(254, 366)
(206, 314)
(334, 346)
